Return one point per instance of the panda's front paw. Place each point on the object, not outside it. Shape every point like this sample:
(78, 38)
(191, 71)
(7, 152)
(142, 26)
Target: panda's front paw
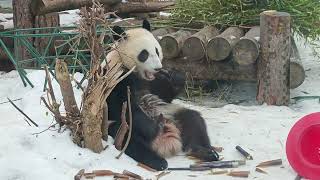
(204, 153)
(157, 164)
(213, 156)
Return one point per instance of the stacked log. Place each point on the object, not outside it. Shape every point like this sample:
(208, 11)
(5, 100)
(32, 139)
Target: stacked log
(246, 50)
(184, 52)
(172, 43)
(220, 47)
(194, 48)
(297, 73)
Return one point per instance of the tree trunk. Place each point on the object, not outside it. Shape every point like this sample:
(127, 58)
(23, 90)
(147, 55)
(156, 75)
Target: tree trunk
(194, 48)
(172, 43)
(48, 20)
(202, 70)
(219, 47)
(22, 19)
(41, 7)
(273, 66)
(297, 73)
(247, 49)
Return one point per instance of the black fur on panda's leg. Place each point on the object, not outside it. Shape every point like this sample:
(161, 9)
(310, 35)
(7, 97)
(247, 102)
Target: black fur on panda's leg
(139, 147)
(139, 150)
(194, 135)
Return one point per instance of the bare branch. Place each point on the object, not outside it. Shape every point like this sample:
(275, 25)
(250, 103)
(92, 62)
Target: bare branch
(35, 124)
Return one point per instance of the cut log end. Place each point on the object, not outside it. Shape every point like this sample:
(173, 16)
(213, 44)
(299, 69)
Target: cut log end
(297, 75)
(170, 47)
(193, 49)
(218, 49)
(246, 51)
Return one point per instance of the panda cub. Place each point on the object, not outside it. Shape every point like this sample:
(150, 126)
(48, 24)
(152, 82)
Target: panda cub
(138, 48)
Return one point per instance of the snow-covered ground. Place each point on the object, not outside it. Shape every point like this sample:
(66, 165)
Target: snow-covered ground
(262, 130)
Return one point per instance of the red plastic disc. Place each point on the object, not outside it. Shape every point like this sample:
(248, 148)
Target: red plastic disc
(303, 146)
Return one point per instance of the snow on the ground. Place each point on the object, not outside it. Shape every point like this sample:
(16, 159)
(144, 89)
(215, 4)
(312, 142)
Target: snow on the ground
(262, 130)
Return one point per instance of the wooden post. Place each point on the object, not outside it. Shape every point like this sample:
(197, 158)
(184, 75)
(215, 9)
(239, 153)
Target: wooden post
(194, 48)
(297, 73)
(219, 47)
(246, 50)
(172, 43)
(273, 66)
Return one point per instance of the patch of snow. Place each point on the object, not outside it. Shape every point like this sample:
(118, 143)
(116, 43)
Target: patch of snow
(69, 18)
(261, 130)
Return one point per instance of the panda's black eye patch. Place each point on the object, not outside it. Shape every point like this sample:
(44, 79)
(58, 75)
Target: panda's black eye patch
(157, 51)
(143, 55)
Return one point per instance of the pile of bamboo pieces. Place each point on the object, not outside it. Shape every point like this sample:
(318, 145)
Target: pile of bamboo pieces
(230, 54)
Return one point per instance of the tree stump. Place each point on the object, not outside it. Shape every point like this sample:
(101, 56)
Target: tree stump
(194, 48)
(172, 43)
(297, 73)
(247, 49)
(273, 65)
(219, 47)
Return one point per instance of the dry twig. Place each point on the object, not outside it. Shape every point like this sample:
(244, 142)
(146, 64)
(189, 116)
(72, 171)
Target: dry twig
(24, 114)
(122, 131)
(130, 123)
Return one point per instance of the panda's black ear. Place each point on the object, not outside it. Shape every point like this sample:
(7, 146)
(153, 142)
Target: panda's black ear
(146, 25)
(118, 32)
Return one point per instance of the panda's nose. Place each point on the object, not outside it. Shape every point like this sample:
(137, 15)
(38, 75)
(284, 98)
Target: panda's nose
(158, 69)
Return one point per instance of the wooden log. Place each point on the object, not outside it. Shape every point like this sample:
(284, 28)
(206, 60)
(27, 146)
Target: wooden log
(273, 66)
(202, 70)
(158, 33)
(219, 47)
(297, 73)
(194, 48)
(247, 49)
(172, 43)
(41, 7)
(134, 7)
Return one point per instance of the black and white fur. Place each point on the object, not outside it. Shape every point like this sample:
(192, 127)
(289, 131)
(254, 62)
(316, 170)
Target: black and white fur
(188, 133)
(138, 48)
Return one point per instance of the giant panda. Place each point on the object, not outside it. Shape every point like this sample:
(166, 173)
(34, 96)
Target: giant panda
(138, 47)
